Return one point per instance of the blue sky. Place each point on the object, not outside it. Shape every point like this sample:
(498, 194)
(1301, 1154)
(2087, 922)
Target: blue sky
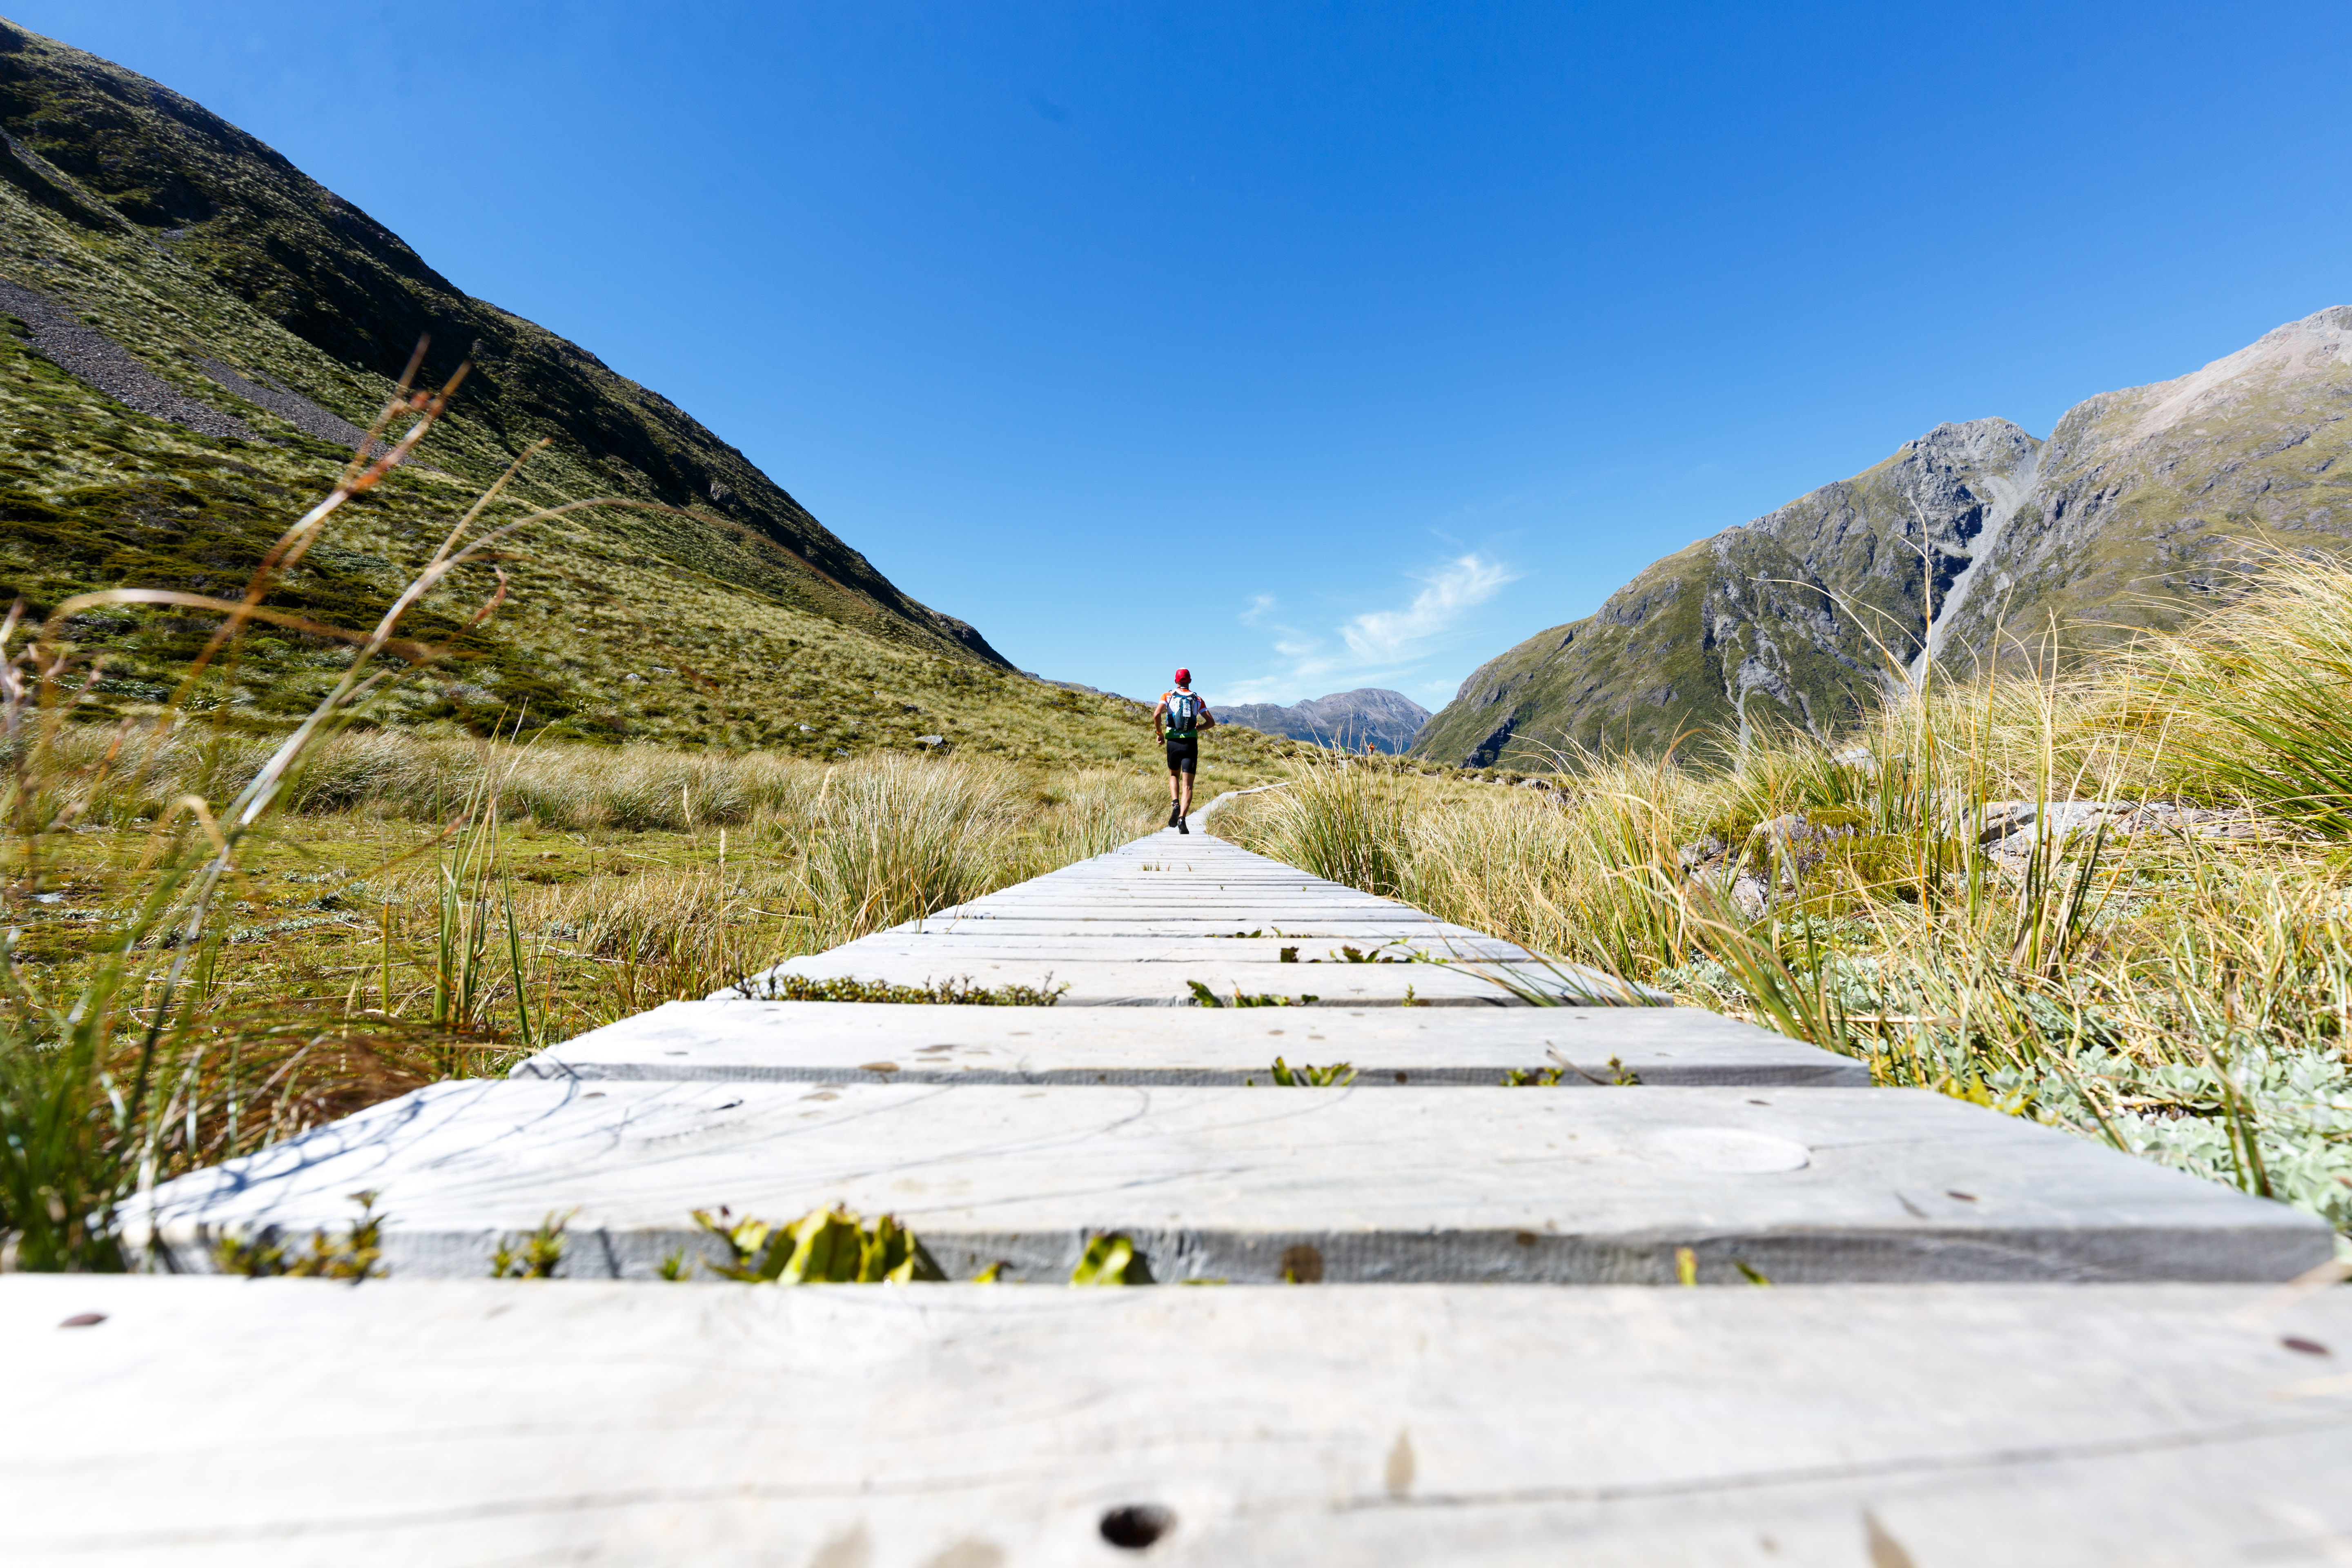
(1314, 345)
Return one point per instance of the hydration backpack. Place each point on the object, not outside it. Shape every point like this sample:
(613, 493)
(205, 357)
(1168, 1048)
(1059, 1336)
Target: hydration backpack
(1184, 715)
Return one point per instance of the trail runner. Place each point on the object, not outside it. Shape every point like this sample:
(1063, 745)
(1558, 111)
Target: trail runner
(1179, 720)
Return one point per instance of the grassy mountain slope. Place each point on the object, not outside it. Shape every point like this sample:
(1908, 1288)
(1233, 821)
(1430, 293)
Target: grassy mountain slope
(2140, 506)
(225, 320)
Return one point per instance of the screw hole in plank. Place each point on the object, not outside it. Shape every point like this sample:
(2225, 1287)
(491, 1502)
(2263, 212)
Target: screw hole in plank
(1137, 1525)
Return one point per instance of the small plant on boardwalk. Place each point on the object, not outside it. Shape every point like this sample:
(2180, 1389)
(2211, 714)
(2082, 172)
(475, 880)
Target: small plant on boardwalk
(1357, 954)
(1620, 1075)
(825, 1246)
(1110, 1259)
(959, 992)
(1205, 998)
(356, 1255)
(533, 1256)
(1338, 1075)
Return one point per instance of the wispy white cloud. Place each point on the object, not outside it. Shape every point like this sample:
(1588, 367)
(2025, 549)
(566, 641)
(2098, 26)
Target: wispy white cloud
(1377, 647)
(1454, 589)
(1258, 606)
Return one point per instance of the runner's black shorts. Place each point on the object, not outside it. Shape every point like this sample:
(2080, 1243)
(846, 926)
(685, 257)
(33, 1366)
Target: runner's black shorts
(1184, 756)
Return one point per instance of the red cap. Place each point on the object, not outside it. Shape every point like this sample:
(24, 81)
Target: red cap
(1182, 675)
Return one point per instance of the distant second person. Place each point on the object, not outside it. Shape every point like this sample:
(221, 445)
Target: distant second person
(1179, 720)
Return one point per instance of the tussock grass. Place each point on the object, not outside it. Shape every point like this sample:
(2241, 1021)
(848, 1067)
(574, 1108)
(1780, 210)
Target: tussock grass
(898, 839)
(2251, 704)
(1342, 821)
(2137, 980)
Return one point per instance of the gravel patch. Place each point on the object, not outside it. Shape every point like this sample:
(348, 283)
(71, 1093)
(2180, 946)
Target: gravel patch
(91, 356)
(285, 402)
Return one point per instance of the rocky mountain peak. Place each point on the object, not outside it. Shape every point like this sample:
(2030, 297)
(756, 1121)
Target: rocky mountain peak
(1973, 442)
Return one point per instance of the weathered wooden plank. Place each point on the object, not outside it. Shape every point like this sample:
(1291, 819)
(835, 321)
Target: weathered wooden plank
(851, 1042)
(468, 1424)
(1447, 1183)
(1192, 901)
(1177, 878)
(1234, 915)
(1212, 923)
(1358, 933)
(1101, 984)
(1222, 916)
(969, 942)
(1211, 900)
(1029, 899)
(1172, 881)
(1138, 868)
(1196, 887)
(1146, 874)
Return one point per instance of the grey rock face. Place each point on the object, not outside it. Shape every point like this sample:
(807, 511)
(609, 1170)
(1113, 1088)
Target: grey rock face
(1347, 720)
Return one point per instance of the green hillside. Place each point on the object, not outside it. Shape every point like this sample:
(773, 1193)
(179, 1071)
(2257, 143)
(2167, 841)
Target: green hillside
(190, 331)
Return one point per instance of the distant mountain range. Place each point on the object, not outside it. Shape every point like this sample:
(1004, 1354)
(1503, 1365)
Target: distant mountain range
(1347, 720)
(2142, 504)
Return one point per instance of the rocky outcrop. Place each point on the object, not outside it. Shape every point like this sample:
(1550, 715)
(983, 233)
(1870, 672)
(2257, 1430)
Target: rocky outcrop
(1347, 720)
(1967, 545)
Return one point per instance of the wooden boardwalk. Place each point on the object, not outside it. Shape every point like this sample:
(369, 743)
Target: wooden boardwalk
(1157, 922)
(1984, 1341)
